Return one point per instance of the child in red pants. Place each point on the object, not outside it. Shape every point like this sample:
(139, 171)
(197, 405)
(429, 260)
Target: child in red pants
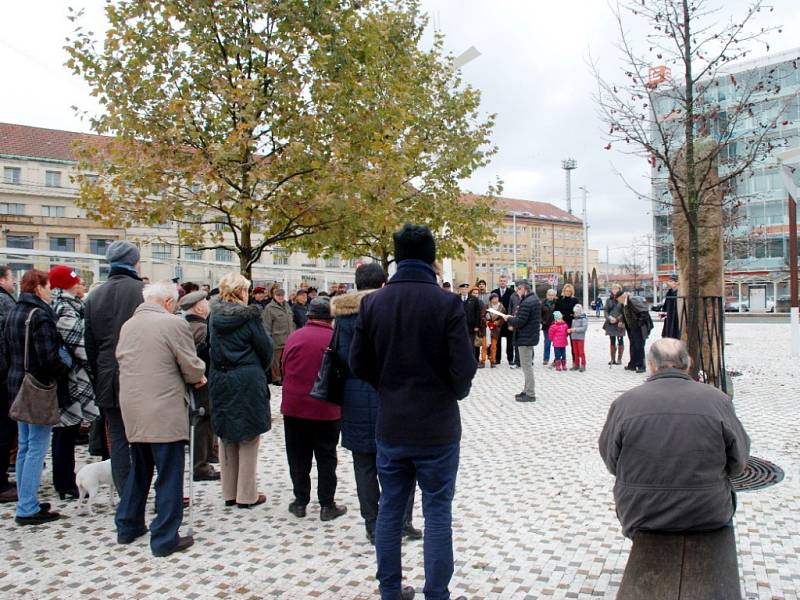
(577, 334)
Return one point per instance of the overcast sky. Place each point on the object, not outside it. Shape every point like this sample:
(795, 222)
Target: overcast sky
(532, 73)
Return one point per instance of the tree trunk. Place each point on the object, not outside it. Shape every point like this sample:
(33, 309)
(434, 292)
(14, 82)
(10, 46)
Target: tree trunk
(245, 252)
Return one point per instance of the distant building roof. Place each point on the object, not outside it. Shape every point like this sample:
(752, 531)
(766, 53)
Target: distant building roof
(38, 142)
(531, 209)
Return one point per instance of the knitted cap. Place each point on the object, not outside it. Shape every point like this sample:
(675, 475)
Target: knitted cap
(414, 241)
(122, 251)
(557, 315)
(320, 309)
(63, 277)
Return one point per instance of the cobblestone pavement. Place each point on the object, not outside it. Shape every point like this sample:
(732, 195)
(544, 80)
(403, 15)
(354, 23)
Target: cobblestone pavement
(534, 515)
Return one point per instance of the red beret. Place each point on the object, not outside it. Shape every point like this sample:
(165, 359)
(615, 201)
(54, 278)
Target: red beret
(64, 277)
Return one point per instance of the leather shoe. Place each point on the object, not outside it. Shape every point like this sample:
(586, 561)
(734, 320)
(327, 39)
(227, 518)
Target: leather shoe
(42, 516)
(412, 533)
(526, 398)
(329, 513)
(9, 495)
(183, 544)
(207, 476)
(71, 494)
(641, 370)
(260, 500)
(129, 539)
(407, 593)
(297, 509)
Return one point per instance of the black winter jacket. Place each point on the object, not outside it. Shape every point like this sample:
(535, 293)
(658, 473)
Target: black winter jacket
(107, 309)
(44, 362)
(527, 323)
(472, 311)
(411, 345)
(240, 351)
(360, 400)
(565, 305)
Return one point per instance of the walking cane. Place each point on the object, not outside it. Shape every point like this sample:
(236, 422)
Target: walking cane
(195, 414)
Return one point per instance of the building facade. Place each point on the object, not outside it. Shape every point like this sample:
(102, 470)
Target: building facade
(41, 225)
(535, 240)
(757, 224)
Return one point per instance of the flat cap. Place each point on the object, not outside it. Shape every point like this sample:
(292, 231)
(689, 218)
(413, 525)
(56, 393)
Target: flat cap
(192, 298)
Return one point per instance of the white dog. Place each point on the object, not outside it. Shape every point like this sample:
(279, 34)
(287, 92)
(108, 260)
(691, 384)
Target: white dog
(89, 479)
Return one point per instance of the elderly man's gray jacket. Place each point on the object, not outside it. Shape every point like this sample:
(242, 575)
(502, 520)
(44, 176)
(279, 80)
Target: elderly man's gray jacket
(672, 444)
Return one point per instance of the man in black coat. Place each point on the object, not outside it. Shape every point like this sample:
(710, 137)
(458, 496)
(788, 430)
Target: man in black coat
(8, 427)
(472, 311)
(504, 292)
(411, 344)
(671, 323)
(638, 324)
(107, 309)
(526, 325)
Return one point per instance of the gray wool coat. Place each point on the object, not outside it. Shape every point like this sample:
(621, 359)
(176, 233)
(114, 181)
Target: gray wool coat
(673, 444)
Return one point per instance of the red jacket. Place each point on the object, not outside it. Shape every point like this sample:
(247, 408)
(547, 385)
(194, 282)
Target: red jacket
(558, 333)
(302, 357)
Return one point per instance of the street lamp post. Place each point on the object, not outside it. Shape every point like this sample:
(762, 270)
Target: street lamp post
(585, 250)
(514, 221)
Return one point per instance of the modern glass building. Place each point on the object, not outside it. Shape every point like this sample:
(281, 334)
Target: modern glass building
(756, 214)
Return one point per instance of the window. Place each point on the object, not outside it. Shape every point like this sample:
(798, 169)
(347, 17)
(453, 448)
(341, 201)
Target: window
(20, 241)
(62, 244)
(52, 178)
(99, 246)
(280, 256)
(161, 251)
(54, 211)
(12, 175)
(332, 263)
(224, 255)
(11, 208)
(192, 254)
(220, 227)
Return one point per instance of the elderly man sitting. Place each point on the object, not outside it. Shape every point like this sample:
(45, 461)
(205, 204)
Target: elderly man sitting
(157, 358)
(673, 444)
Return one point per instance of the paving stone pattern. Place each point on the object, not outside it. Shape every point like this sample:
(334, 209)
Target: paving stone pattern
(533, 515)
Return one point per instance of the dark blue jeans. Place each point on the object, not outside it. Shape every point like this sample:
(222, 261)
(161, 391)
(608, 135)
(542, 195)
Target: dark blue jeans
(435, 468)
(167, 458)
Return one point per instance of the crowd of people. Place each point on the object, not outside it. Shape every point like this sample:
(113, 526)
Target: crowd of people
(143, 362)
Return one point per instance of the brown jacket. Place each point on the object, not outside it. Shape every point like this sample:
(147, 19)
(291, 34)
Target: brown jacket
(157, 358)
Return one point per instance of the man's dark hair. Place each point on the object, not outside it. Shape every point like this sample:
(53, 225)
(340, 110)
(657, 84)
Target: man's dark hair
(4, 271)
(482, 281)
(370, 276)
(189, 287)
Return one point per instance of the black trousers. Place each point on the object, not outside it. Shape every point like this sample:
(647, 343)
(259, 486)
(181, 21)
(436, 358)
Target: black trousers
(510, 346)
(636, 348)
(63, 448)
(8, 436)
(203, 446)
(305, 439)
(369, 492)
(120, 449)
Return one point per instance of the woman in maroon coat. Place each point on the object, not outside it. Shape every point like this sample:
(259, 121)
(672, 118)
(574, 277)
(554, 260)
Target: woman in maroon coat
(311, 426)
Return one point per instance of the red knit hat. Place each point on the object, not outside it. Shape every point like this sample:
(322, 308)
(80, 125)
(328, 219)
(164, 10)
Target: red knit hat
(64, 277)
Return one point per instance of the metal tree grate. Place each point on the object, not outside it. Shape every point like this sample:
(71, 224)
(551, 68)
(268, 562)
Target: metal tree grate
(758, 474)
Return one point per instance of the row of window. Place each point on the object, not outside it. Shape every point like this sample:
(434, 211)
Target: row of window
(17, 208)
(13, 176)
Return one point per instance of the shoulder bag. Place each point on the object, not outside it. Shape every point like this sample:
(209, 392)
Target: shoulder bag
(35, 402)
(329, 384)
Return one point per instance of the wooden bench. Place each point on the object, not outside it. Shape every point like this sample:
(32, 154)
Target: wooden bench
(691, 566)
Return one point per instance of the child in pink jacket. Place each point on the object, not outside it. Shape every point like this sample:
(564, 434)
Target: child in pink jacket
(558, 334)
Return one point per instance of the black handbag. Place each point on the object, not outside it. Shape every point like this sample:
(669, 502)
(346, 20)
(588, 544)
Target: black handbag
(329, 384)
(35, 403)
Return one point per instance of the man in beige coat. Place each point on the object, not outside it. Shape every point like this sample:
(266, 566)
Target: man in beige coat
(157, 359)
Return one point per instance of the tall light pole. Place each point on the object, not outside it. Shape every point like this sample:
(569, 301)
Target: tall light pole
(514, 222)
(569, 165)
(585, 250)
(459, 61)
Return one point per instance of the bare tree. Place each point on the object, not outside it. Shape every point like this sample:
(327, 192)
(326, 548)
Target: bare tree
(702, 128)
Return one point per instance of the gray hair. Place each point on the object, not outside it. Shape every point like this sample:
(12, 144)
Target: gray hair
(160, 291)
(668, 353)
(551, 291)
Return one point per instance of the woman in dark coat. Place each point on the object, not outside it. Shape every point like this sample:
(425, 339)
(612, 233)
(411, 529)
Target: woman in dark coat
(614, 325)
(46, 366)
(240, 351)
(566, 303)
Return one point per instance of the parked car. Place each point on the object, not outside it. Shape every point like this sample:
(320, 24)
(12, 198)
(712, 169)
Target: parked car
(732, 305)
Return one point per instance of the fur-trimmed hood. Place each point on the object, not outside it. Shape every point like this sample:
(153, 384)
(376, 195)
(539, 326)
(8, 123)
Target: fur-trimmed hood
(348, 304)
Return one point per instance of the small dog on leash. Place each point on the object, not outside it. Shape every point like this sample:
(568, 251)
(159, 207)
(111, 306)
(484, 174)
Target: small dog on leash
(90, 478)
